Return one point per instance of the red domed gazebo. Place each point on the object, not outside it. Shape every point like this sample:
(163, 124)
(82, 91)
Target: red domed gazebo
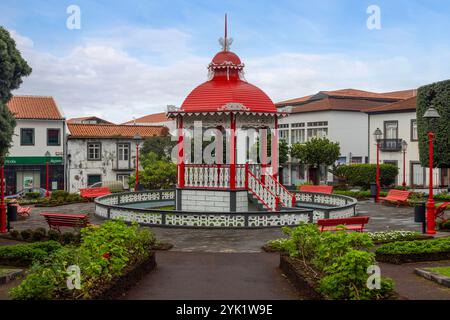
(227, 103)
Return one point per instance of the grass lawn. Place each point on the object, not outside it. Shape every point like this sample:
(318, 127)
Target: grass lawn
(445, 271)
(171, 207)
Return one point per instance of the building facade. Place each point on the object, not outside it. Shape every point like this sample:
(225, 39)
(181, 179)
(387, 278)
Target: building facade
(103, 152)
(336, 115)
(397, 122)
(39, 137)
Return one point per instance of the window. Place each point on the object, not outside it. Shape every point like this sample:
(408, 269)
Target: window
(341, 160)
(283, 126)
(27, 137)
(94, 178)
(53, 137)
(318, 124)
(124, 179)
(297, 136)
(414, 136)
(391, 129)
(317, 133)
(284, 135)
(298, 125)
(94, 151)
(356, 159)
(123, 151)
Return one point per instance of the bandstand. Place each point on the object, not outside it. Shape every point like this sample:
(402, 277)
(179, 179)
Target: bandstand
(230, 105)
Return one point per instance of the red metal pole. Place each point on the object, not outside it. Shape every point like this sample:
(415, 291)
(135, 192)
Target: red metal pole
(377, 197)
(275, 150)
(2, 201)
(232, 152)
(404, 169)
(47, 193)
(246, 175)
(136, 183)
(263, 154)
(180, 153)
(431, 209)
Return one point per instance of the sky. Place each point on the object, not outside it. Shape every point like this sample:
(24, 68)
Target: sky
(132, 58)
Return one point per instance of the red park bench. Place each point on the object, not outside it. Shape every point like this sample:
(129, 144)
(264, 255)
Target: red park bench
(94, 192)
(317, 189)
(397, 196)
(441, 209)
(353, 224)
(57, 220)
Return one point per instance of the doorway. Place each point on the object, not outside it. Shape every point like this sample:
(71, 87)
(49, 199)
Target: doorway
(28, 179)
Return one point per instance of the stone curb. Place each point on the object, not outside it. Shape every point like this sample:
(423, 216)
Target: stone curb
(11, 275)
(443, 280)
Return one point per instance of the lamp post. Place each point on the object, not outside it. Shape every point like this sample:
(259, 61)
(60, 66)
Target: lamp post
(2, 200)
(404, 147)
(137, 139)
(430, 115)
(47, 158)
(378, 134)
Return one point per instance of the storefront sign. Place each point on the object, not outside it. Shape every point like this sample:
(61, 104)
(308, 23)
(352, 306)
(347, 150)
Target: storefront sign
(32, 160)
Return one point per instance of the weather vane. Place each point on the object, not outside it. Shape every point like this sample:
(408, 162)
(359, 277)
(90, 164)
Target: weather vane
(226, 42)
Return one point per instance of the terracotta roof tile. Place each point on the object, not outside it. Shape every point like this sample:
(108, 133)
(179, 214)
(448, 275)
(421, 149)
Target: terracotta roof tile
(404, 105)
(340, 104)
(34, 107)
(151, 118)
(114, 131)
(80, 119)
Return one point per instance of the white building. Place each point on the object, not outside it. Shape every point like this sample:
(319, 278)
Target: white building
(39, 137)
(336, 115)
(397, 121)
(103, 152)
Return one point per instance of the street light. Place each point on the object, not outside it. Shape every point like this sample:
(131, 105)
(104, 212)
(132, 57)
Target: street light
(404, 147)
(47, 158)
(2, 200)
(378, 134)
(431, 114)
(137, 139)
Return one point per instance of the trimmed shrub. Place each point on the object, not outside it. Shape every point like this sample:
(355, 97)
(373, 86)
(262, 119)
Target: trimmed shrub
(53, 235)
(416, 247)
(362, 175)
(14, 234)
(39, 234)
(25, 254)
(26, 234)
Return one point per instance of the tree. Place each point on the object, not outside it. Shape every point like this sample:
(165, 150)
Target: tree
(160, 146)
(438, 95)
(283, 152)
(316, 152)
(157, 173)
(12, 68)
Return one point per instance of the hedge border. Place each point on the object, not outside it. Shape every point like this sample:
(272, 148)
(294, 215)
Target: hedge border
(399, 258)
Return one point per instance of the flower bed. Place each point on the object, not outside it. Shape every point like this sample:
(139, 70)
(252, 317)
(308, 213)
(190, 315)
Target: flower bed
(107, 255)
(392, 236)
(414, 251)
(334, 265)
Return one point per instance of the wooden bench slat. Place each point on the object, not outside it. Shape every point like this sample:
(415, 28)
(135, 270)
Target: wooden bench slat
(353, 223)
(317, 189)
(56, 220)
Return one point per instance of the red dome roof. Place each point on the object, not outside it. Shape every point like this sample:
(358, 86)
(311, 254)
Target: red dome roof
(226, 87)
(226, 56)
(218, 92)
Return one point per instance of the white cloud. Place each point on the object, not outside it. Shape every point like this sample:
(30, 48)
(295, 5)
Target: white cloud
(103, 77)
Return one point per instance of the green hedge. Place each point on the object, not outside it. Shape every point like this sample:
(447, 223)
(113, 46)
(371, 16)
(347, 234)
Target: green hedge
(416, 247)
(26, 254)
(362, 175)
(438, 95)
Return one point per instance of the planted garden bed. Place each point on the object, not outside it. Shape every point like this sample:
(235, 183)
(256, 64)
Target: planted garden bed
(414, 251)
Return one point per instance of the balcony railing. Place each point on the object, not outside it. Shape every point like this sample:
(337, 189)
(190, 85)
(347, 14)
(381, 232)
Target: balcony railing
(390, 145)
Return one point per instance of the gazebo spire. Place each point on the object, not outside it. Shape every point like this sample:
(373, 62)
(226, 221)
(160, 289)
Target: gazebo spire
(226, 42)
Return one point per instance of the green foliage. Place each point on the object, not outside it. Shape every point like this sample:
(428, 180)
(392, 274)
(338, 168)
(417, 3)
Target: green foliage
(416, 247)
(438, 95)
(25, 254)
(14, 233)
(444, 225)
(283, 152)
(104, 253)
(346, 278)
(340, 260)
(363, 174)
(157, 173)
(354, 194)
(160, 146)
(12, 68)
(26, 234)
(53, 235)
(316, 152)
(32, 195)
(39, 234)
(58, 198)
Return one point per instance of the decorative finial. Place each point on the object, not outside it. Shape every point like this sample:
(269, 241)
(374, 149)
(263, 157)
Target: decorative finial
(225, 42)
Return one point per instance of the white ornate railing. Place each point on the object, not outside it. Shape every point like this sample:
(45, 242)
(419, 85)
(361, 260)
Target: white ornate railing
(287, 199)
(262, 193)
(212, 176)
